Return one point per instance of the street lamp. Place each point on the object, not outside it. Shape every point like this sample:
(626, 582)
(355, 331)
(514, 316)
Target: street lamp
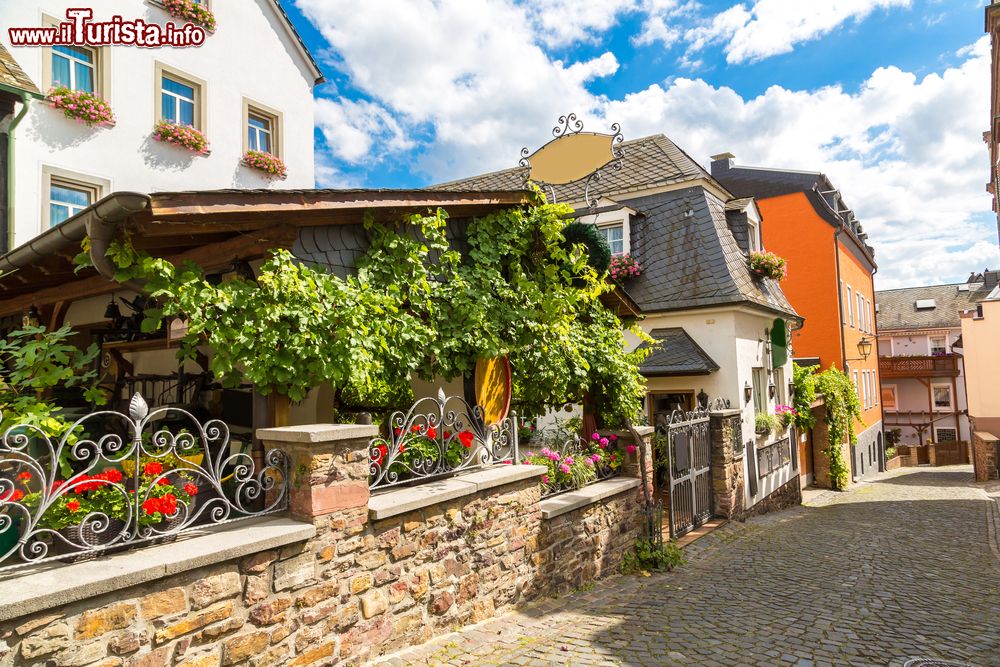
(864, 347)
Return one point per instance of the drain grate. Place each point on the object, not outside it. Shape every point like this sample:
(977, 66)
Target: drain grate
(934, 662)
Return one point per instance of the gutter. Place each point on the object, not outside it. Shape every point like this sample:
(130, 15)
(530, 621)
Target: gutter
(100, 222)
(840, 297)
(8, 242)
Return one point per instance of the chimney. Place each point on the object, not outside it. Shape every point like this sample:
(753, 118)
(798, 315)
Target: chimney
(991, 278)
(722, 163)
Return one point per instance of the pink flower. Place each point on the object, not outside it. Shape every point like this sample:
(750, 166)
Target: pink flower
(604, 442)
(564, 468)
(545, 479)
(595, 436)
(631, 449)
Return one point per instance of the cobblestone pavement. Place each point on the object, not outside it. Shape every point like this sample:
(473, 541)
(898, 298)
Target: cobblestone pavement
(904, 567)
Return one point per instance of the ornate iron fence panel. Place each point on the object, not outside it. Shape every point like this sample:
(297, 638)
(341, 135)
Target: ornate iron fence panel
(573, 462)
(437, 437)
(690, 450)
(773, 457)
(146, 477)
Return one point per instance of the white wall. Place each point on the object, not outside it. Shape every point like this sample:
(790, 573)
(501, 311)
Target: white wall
(732, 337)
(250, 55)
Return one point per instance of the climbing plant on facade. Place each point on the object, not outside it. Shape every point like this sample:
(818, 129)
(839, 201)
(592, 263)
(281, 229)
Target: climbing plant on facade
(417, 306)
(842, 410)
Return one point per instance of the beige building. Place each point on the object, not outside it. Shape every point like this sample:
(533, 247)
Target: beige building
(981, 343)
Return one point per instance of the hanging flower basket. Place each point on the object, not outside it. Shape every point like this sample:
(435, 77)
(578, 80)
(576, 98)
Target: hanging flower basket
(184, 136)
(624, 267)
(272, 165)
(81, 106)
(767, 265)
(195, 12)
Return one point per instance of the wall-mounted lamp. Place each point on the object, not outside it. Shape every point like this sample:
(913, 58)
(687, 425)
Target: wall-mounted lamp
(112, 312)
(31, 318)
(864, 347)
(702, 399)
(771, 388)
(791, 388)
(747, 392)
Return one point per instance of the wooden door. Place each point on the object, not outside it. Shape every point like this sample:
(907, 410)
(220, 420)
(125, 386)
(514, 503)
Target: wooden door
(806, 458)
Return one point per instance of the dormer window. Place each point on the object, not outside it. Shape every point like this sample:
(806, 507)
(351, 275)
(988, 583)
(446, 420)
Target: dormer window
(615, 236)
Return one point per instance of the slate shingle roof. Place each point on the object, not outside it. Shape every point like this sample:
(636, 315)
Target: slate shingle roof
(12, 75)
(897, 307)
(688, 260)
(677, 354)
(649, 162)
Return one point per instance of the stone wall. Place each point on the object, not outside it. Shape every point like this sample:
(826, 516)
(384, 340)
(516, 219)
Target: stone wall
(984, 455)
(787, 495)
(727, 464)
(896, 462)
(361, 587)
(821, 441)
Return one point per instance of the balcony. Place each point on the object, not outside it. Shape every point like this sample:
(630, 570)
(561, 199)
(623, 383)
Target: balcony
(943, 365)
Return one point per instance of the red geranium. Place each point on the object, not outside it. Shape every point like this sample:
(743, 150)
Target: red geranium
(73, 505)
(153, 468)
(151, 506)
(113, 475)
(466, 438)
(24, 476)
(432, 433)
(13, 496)
(190, 489)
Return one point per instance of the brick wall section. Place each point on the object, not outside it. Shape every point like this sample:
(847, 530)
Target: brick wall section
(821, 440)
(984, 455)
(360, 588)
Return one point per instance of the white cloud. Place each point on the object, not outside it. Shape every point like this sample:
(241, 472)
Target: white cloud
(772, 27)
(563, 22)
(462, 94)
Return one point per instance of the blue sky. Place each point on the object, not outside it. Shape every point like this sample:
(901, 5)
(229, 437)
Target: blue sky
(888, 97)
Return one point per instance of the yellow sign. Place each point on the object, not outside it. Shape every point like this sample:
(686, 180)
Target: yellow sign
(570, 158)
(493, 388)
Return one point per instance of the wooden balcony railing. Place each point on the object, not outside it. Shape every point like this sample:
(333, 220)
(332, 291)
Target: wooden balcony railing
(944, 365)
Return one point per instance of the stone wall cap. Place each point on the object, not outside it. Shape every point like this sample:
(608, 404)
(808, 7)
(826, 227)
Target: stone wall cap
(401, 500)
(644, 430)
(987, 436)
(315, 433)
(588, 495)
(44, 586)
(728, 412)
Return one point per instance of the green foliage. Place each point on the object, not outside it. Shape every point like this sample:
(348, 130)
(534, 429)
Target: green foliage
(416, 306)
(890, 453)
(842, 409)
(804, 380)
(33, 361)
(598, 252)
(766, 423)
(647, 555)
(893, 436)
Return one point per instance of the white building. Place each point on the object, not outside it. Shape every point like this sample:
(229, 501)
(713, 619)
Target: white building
(249, 85)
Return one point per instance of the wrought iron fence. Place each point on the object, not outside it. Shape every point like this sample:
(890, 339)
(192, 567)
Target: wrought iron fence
(112, 481)
(652, 522)
(773, 457)
(573, 462)
(437, 437)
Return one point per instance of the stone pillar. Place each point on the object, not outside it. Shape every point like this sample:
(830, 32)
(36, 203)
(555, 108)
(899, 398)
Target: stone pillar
(728, 484)
(328, 465)
(985, 453)
(644, 452)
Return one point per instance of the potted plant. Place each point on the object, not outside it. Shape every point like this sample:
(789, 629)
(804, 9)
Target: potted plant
(765, 424)
(624, 267)
(189, 10)
(767, 265)
(272, 165)
(786, 414)
(181, 135)
(82, 106)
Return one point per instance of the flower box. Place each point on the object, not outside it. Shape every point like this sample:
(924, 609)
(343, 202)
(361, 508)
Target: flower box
(624, 267)
(195, 12)
(81, 106)
(767, 265)
(272, 165)
(183, 136)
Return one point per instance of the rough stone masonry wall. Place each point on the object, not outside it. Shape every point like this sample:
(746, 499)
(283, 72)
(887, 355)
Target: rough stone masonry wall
(984, 455)
(359, 588)
(787, 495)
(727, 465)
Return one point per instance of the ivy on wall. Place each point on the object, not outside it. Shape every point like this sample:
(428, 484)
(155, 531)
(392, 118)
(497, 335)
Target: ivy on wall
(842, 409)
(416, 306)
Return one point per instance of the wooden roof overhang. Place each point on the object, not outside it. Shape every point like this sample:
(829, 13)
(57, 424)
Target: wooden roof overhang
(212, 228)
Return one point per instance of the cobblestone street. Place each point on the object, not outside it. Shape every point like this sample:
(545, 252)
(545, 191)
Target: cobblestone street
(904, 567)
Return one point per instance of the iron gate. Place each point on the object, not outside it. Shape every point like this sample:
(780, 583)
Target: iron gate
(690, 450)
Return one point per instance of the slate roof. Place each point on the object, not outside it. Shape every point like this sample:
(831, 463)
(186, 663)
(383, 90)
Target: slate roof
(897, 309)
(762, 183)
(649, 162)
(689, 257)
(676, 355)
(688, 260)
(12, 75)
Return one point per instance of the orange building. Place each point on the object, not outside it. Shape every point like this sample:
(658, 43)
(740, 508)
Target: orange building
(829, 283)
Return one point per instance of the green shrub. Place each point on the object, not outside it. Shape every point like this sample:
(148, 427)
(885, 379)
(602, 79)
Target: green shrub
(890, 453)
(766, 423)
(647, 555)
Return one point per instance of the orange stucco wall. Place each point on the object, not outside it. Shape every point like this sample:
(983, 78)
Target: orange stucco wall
(793, 229)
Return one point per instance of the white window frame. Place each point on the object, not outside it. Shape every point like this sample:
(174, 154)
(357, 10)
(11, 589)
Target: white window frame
(877, 388)
(760, 398)
(951, 395)
(198, 85)
(895, 398)
(93, 65)
(99, 187)
(605, 228)
(753, 234)
(275, 117)
(857, 386)
(930, 344)
(850, 305)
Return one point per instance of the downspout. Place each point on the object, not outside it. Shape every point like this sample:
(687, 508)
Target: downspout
(840, 296)
(102, 228)
(9, 240)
